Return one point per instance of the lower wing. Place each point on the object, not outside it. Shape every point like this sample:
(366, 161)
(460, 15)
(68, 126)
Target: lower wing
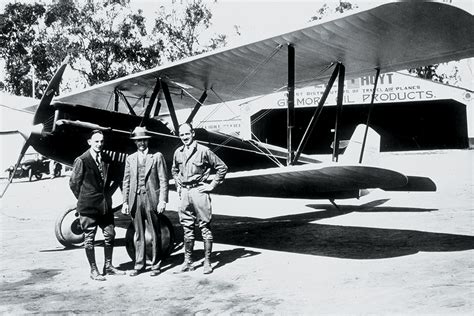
(319, 181)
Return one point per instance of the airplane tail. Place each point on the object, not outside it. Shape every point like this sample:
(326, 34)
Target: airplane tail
(371, 152)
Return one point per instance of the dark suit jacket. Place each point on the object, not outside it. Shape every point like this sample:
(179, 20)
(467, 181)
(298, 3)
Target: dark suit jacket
(93, 194)
(156, 179)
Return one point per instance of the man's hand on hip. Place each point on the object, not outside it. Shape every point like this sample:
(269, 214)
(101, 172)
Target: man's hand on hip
(205, 187)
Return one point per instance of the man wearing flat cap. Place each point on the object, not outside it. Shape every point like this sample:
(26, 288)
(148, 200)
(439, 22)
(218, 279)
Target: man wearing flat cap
(145, 194)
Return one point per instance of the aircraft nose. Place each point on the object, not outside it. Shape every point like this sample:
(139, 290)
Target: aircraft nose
(36, 130)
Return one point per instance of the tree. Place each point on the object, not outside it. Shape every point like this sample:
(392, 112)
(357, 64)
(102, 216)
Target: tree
(183, 30)
(444, 73)
(326, 10)
(104, 39)
(18, 32)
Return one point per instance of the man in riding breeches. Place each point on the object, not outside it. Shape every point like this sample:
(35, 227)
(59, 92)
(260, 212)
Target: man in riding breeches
(192, 165)
(195, 206)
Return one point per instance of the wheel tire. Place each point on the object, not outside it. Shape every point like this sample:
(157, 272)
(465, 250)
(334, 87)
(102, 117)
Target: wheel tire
(38, 176)
(57, 174)
(68, 229)
(167, 239)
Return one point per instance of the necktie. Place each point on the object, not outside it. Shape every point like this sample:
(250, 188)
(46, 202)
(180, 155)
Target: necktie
(99, 165)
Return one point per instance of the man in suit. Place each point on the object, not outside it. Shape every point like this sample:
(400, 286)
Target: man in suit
(145, 194)
(92, 187)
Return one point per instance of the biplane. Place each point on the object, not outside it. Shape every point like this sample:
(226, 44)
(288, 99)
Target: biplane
(389, 37)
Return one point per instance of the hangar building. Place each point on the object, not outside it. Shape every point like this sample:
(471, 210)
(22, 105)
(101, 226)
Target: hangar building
(409, 114)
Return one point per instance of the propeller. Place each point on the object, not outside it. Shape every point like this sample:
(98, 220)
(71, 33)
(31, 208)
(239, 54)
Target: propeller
(42, 114)
(25, 147)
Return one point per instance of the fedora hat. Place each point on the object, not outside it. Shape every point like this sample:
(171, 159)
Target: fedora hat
(139, 133)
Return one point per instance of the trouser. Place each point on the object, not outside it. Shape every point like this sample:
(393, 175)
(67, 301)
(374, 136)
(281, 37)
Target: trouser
(195, 206)
(89, 225)
(144, 218)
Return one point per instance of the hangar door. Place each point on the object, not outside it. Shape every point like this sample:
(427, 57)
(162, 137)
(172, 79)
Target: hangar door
(423, 125)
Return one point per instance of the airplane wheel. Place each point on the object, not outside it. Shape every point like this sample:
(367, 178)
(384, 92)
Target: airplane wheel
(38, 176)
(68, 229)
(167, 239)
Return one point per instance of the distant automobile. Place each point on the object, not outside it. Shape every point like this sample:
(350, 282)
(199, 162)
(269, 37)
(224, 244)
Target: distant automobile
(35, 165)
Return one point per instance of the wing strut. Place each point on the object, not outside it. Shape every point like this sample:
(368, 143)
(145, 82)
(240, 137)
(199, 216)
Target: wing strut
(340, 96)
(371, 106)
(169, 102)
(130, 108)
(151, 101)
(291, 103)
(157, 108)
(197, 107)
(317, 113)
(116, 100)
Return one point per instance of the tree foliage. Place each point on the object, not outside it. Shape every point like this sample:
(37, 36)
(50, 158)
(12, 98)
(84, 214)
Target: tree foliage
(325, 10)
(104, 39)
(18, 32)
(447, 73)
(183, 30)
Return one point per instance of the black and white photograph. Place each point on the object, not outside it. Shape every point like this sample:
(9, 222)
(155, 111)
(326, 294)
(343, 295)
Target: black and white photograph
(224, 157)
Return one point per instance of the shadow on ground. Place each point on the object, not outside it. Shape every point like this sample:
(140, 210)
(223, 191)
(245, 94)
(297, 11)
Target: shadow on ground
(300, 233)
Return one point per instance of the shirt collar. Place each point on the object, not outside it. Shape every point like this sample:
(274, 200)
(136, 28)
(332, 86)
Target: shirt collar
(93, 154)
(144, 153)
(191, 147)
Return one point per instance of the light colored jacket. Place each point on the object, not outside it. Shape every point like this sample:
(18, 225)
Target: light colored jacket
(156, 179)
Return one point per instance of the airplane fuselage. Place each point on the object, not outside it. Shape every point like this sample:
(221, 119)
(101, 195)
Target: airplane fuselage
(66, 129)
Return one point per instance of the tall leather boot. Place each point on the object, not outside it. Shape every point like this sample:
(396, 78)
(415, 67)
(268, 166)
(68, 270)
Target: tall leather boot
(188, 253)
(95, 275)
(108, 267)
(207, 256)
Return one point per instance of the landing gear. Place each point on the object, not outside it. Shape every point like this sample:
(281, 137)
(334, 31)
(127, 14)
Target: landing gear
(69, 233)
(68, 229)
(167, 239)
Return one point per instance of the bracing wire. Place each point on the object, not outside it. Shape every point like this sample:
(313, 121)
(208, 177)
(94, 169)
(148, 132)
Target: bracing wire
(257, 68)
(244, 80)
(267, 111)
(269, 153)
(108, 102)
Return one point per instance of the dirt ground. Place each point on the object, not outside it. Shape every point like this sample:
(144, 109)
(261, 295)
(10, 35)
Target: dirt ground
(387, 253)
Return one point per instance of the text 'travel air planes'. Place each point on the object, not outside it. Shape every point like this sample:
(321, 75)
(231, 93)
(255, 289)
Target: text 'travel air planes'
(390, 37)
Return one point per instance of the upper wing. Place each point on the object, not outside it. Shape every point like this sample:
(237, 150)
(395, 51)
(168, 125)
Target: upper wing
(393, 36)
(18, 103)
(319, 181)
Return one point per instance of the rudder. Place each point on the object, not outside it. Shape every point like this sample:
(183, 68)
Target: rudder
(354, 147)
